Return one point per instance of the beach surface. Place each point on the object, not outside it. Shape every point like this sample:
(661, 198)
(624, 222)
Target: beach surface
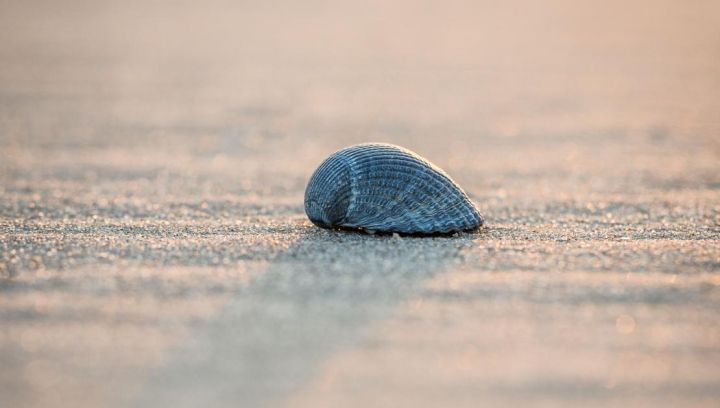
(154, 250)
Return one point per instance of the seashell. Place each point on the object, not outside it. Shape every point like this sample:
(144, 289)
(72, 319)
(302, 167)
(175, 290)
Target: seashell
(378, 187)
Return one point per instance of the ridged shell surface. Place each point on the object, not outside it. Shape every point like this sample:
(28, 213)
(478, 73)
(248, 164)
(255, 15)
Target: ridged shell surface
(386, 188)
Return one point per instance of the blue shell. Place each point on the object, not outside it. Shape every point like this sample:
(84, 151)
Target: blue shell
(386, 188)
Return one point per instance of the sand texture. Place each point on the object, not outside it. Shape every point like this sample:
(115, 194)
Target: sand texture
(153, 245)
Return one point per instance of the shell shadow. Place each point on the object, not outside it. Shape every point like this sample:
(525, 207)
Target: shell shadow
(452, 234)
(317, 297)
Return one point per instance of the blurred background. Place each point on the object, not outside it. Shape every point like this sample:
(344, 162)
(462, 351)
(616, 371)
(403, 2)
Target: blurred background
(172, 83)
(153, 154)
(332, 73)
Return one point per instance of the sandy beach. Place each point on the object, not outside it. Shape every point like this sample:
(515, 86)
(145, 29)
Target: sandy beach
(154, 250)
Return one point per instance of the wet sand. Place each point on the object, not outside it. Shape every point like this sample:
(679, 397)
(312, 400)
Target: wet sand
(154, 249)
